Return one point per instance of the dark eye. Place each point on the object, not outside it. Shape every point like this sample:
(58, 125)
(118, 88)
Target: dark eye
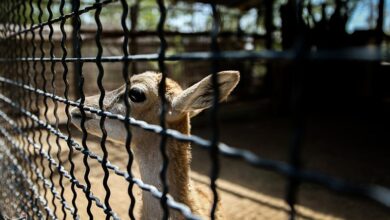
(137, 95)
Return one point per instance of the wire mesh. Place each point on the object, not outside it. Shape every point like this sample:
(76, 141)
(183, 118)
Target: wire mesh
(32, 164)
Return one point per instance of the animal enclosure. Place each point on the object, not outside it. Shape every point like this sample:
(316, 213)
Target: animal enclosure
(300, 63)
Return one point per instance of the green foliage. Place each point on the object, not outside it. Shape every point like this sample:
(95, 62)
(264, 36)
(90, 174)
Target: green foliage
(181, 16)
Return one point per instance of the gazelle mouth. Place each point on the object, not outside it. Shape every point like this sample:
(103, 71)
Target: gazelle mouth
(79, 116)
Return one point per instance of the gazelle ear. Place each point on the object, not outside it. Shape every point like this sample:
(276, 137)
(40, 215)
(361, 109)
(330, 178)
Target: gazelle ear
(200, 95)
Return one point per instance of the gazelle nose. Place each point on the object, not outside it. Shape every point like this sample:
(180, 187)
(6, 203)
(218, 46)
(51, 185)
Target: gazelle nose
(76, 114)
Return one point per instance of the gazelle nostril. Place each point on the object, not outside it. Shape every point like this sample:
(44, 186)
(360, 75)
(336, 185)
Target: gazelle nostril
(76, 114)
(88, 115)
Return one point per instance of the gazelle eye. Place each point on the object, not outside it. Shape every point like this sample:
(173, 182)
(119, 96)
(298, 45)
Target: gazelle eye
(137, 95)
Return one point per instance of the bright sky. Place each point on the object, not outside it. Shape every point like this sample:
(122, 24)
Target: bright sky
(359, 20)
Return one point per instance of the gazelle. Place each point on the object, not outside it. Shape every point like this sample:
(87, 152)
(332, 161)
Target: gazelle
(145, 105)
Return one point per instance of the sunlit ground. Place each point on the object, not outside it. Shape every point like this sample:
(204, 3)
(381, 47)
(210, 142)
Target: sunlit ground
(346, 147)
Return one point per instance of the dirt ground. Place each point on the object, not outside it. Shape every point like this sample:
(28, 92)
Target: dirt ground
(353, 147)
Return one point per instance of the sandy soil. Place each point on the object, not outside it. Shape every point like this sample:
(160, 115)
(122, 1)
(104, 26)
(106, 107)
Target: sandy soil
(348, 147)
(239, 201)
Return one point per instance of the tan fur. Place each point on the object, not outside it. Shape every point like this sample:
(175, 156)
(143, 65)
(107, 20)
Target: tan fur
(146, 145)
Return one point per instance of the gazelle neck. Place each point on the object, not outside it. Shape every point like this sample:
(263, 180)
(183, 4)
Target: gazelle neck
(148, 155)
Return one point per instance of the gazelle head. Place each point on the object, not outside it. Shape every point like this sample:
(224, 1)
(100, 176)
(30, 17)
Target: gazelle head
(145, 102)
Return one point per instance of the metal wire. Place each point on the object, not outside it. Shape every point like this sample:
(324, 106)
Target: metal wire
(101, 106)
(46, 107)
(125, 74)
(40, 175)
(25, 78)
(32, 186)
(78, 69)
(75, 13)
(34, 79)
(66, 93)
(214, 150)
(19, 76)
(161, 93)
(347, 54)
(55, 109)
(52, 162)
(27, 154)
